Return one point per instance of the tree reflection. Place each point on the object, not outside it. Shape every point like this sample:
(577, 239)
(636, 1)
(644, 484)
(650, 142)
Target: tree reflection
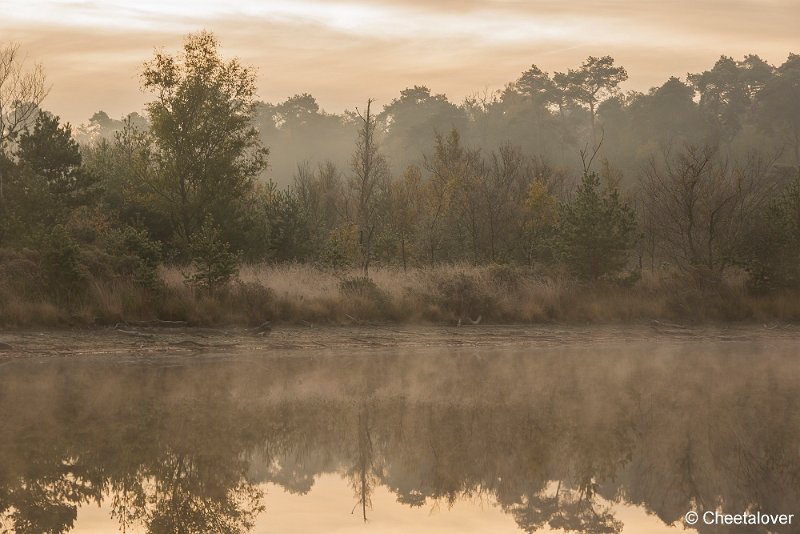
(363, 474)
(556, 440)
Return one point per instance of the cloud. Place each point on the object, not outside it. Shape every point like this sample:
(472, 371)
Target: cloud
(346, 51)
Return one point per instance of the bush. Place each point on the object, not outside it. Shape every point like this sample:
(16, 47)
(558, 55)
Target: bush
(213, 262)
(773, 251)
(65, 275)
(254, 301)
(20, 275)
(507, 277)
(597, 231)
(362, 287)
(135, 255)
(462, 294)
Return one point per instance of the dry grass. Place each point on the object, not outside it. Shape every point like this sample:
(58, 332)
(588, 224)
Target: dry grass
(443, 295)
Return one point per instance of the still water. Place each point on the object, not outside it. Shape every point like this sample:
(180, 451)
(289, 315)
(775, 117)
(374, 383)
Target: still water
(624, 437)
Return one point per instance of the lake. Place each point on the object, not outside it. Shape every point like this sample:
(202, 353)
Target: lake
(585, 436)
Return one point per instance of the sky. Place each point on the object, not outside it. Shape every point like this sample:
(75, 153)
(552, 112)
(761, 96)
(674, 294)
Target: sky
(345, 51)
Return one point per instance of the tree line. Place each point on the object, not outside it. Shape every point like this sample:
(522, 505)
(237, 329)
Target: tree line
(561, 172)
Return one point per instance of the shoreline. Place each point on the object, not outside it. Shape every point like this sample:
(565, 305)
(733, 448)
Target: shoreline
(322, 340)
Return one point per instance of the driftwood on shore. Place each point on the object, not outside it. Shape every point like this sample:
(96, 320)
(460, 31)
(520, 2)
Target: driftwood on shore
(158, 323)
(133, 333)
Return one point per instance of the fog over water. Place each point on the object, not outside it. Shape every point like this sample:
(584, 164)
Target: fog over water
(588, 437)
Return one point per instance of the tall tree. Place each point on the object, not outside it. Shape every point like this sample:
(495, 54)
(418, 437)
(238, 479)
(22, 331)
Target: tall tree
(772, 250)
(779, 103)
(537, 85)
(22, 90)
(701, 206)
(525, 111)
(594, 80)
(597, 230)
(51, 152)
(727, 90)
(297, 110)
(668, 114)
(406, 209)
(52, 180)
(368, 185)
(207, 150)
(502, 182)
(451, 204)
(411, 122)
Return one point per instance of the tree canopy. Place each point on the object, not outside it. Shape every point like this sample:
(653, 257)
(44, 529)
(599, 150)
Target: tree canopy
(207, 150)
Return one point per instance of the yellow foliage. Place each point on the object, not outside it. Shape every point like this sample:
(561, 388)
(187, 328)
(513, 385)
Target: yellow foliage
(541, 208)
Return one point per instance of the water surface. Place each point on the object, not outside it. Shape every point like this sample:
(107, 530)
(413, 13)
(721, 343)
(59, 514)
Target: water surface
(587, 437)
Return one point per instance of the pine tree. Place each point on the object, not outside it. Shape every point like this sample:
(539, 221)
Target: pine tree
(597, 230)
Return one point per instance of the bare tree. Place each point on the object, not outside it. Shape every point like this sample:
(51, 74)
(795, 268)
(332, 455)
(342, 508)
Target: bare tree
(700, 205)
(21, 92)
(447, 170)
(368, 185)
(321, 196)
(406, 209)
(502, 182)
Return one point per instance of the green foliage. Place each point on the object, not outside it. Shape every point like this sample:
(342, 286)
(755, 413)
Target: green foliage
(773, 255)
(20, 273)
(212, 260)
(49, 181)
(188, 177)
(339, 248)
(726, 91)
(125, 165)
(540, 218)
(597, 231)
(136, 255)
(594, 79)
(415, 116)
(206, 151)
(65, 275)
(50, 152)
(287, 225)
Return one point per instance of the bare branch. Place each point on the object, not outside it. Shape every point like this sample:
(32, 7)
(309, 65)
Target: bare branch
(21, 92)
(595, 149)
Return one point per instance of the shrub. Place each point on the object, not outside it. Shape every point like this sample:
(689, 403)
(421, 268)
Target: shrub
(66, 276)
(254, 301)
(597, 231)
(136, 256)
(213, 262)
(507, 277)
(773, 250)
(462, 294)
(361, 286)
(20, 273)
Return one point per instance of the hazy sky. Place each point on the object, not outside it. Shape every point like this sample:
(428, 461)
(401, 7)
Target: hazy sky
(343, 52)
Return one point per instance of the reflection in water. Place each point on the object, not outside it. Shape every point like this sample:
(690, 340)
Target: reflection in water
(555, 437)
